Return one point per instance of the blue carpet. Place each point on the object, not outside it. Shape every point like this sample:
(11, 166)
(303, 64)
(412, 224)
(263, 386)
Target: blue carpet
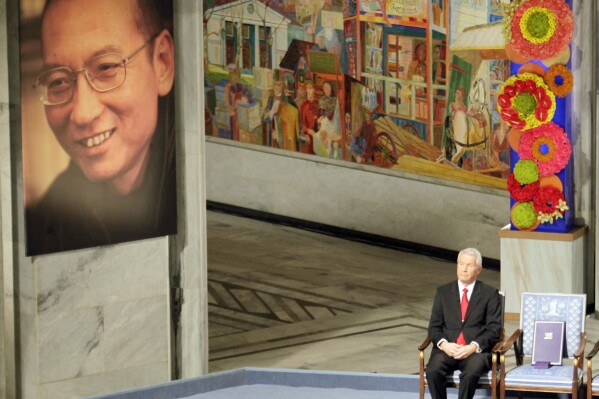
(284, 392)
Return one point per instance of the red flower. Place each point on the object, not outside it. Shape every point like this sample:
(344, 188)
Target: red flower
(521, 192)
(547, 199)
(556, 156)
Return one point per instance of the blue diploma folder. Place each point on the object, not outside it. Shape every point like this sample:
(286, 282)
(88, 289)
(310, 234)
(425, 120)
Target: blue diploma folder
(548, 345)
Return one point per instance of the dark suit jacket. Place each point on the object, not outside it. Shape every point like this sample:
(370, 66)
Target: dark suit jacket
(483, 317)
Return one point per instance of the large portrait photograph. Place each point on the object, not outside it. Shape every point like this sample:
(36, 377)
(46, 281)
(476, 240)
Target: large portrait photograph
(98, 136)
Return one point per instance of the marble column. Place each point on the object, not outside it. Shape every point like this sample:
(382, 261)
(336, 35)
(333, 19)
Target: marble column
(7, 311)
(584, 44)
(188, 260)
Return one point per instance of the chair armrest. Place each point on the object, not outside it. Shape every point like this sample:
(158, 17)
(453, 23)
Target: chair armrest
(583, 341)
(593, 351)
(497, 346)
(510, 342)
(425, 344)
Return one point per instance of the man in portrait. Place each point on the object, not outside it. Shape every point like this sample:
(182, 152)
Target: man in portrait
(107, 89)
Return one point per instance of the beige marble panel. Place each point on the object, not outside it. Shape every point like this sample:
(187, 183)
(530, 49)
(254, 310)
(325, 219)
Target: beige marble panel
(378, 203)
(529, 265)
(87, 318)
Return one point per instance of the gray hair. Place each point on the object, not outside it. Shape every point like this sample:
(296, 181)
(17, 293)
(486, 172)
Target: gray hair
(473, 252)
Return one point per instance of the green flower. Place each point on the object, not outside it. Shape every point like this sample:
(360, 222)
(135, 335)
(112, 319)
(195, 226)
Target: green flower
(523, 215)
(524, 103)
(538, 25)
(526, 171)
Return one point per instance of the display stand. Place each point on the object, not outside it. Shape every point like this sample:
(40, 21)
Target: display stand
(540, 262)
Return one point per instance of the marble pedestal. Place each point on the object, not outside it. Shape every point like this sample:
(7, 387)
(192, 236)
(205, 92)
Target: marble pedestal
(540, 262)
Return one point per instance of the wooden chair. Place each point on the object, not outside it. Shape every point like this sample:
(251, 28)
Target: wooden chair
(488, 381)
(567, 378)
(592, 381)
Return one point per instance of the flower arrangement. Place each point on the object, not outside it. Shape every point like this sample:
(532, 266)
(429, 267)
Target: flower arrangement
(539, 29)
(526, 171)
(521, 192)
(548, 146)
(524, 216)
(559, 79)
(550, 204)
(525, 101)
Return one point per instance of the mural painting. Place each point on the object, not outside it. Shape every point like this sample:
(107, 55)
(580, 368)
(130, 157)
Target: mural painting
(406, 85)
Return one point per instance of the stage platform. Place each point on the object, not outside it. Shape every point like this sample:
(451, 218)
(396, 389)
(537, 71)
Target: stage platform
(258, 383)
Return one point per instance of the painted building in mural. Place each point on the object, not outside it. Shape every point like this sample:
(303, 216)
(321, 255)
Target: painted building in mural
(400, 84)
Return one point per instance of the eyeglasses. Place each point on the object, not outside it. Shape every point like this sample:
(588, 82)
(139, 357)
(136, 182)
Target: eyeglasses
(104, 72)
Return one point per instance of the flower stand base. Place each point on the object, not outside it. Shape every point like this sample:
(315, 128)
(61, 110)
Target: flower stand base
(541, 262)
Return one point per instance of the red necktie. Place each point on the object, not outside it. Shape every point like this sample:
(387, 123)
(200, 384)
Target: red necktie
(464, 307)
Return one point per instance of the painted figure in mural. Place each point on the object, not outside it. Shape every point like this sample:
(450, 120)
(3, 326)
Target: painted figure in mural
(348, 135)
(303, 69)
(271, 114)
(320, 39)
(289, 117)
(331, 40)
(438, 69)
(417, 68)
(364, 137)
(234, 91)
(309, 112)
(301, 95)
(458, 101)
(282, 118)
(463, 342)
(107, 86)
(326, 142)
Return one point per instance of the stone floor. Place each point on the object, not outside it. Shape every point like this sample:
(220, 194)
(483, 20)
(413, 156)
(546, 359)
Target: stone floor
(289, 298)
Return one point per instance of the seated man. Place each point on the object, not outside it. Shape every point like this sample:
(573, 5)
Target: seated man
(465, 325)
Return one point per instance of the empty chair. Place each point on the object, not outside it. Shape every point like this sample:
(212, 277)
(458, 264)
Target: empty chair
(566, 378)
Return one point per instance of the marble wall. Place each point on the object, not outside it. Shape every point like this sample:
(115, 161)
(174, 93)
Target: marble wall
(99, 320)
(398, 205)
(583, 125)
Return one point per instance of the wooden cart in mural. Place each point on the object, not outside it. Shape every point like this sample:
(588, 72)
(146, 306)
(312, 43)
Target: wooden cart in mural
(382, 151)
